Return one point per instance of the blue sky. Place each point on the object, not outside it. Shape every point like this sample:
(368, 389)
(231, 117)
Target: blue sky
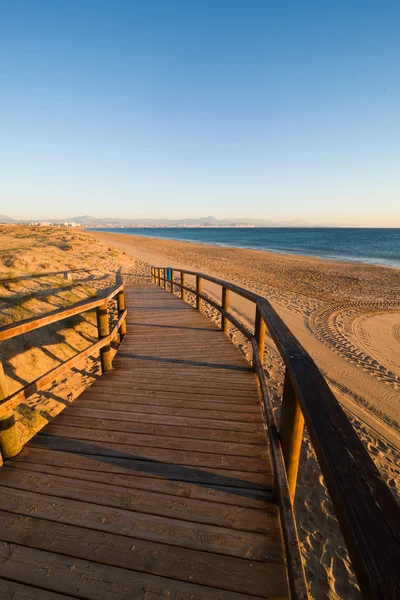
(189, 108)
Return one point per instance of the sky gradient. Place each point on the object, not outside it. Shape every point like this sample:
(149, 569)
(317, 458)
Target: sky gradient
(250, 108)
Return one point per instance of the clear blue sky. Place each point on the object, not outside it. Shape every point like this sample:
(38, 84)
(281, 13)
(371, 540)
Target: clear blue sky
(196, 107)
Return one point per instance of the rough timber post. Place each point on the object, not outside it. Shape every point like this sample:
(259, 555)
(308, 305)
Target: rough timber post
(103, 328)
(172, 281)
(183, 283)
(121, 308)
(291, 433)
(9, 439)
(225, 307)
(199, 290)
(259, 332)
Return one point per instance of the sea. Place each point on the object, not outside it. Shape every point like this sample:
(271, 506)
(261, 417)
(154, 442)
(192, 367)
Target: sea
(374, 246)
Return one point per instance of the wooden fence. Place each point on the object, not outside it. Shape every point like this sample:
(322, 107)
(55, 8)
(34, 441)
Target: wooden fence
(367, 511)
(9, 440)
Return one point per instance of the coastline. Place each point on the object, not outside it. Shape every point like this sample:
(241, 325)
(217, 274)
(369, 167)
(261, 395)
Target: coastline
(303, 290)
(395, 264)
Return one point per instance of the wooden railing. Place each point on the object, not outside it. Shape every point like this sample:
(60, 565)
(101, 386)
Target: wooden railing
(368, 513)
(9, 441)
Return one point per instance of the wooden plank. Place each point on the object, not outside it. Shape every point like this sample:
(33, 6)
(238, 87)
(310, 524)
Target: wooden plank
(70, 419)
(204, 387)
(266, 580)
(159, 441)
(262, 499)
(132, 466)
(176, 457)
(70, 575)
(124, 415)
(175, 532)
(215, 415)
(196, 359)
(11, 590)
(200, 378)
(180, 398)
(186, 509)
(242, 375)
(162, 364)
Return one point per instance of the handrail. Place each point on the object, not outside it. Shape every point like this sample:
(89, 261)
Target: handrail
(9, 441)
(367, 511)
(26, 325)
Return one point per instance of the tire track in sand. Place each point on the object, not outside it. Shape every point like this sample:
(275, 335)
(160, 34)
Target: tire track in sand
(332, 325)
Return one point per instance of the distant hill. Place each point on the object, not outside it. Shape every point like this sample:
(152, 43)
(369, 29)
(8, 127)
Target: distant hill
(90, 221)
(190, 222)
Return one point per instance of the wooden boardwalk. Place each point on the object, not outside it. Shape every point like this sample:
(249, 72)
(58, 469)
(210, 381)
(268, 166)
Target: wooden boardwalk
(155, 483)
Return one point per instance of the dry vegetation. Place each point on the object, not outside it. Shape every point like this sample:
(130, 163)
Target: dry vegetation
(42, 269)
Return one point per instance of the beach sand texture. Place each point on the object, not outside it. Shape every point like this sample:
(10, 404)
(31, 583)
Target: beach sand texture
(347, 315)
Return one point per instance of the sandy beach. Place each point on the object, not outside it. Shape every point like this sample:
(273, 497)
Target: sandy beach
(347, 315)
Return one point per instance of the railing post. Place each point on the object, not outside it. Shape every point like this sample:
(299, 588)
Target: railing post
(158, 276)
(259, 332)
(183, 282)
(121, 308)
(172, 281)
(199, 290)
(164, 283)
(291, 433)
(225, 307)
(152, 274)
(10, 444)
(104, 330)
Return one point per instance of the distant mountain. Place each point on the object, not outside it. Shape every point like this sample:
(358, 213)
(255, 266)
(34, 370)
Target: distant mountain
(189, 222)
(89, 221)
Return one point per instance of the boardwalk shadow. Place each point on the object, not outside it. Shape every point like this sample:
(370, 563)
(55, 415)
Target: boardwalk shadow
(179, 361)
(139, 465)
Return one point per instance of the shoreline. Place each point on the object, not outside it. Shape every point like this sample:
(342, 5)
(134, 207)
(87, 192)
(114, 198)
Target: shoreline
(351, 259)
(309, 294)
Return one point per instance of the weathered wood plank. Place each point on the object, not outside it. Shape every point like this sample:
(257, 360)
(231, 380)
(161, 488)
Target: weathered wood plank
(216, 447)
(124, 415)
(176, 457)
(215, 415)
(186, 509)
(70, 575)
(176, 532)
(11, 590)
(222, 435)
(180, 398)
(143, 468)
(262, 499)
(185, 387)
(200, 378)
(266, 580)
